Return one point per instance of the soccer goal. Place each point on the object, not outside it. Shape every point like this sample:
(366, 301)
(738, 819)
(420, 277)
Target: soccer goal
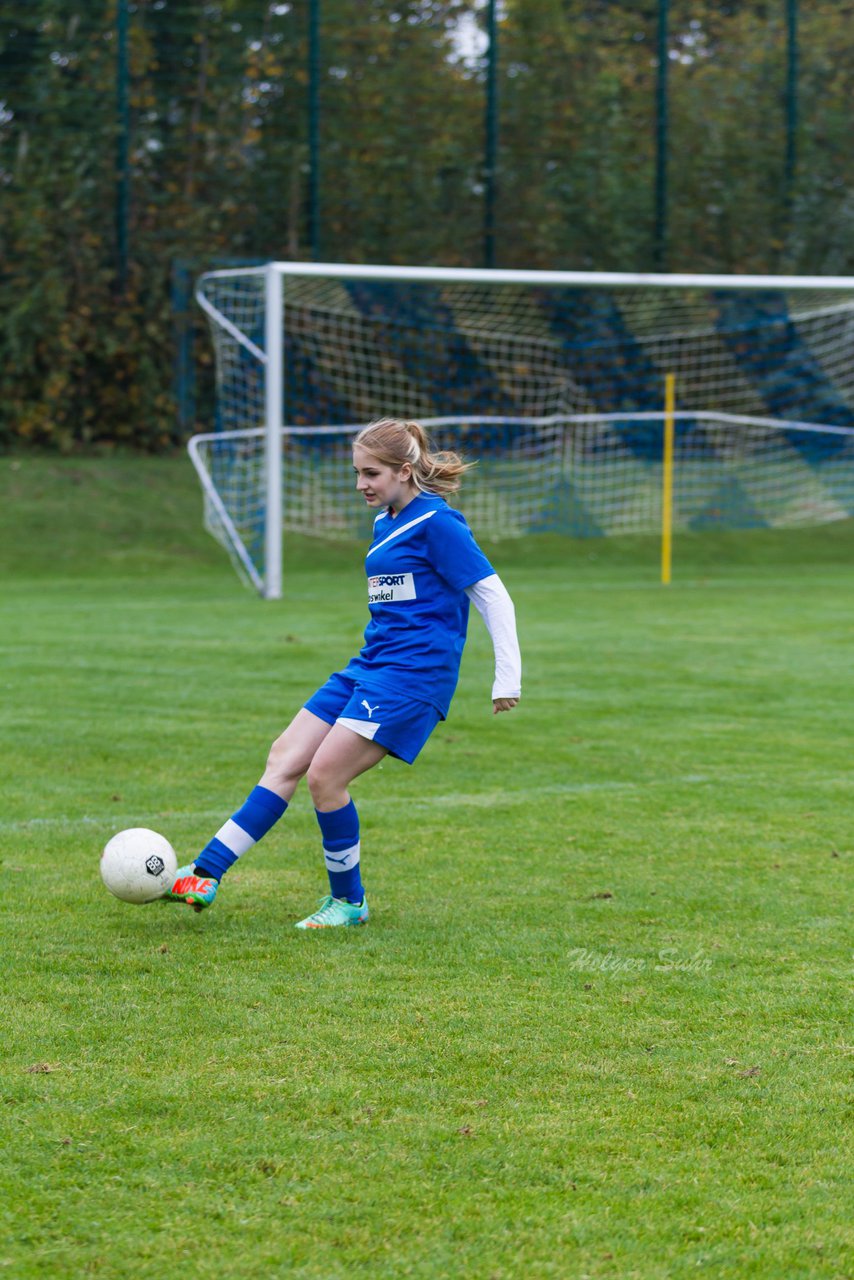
(553, 381)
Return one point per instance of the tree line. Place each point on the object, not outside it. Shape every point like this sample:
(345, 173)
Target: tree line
(217, 140)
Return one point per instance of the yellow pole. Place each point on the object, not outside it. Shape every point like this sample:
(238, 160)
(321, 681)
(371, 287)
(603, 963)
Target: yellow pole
(667, 479)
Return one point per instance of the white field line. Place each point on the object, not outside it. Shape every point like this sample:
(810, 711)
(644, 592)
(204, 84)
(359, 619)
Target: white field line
(117, 821)
(459, 800)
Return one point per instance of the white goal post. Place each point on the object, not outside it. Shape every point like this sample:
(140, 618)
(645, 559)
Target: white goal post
(553, 381)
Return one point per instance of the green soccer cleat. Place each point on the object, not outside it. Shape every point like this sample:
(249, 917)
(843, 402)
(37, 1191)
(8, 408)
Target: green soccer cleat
(333, 912)
(198, 891)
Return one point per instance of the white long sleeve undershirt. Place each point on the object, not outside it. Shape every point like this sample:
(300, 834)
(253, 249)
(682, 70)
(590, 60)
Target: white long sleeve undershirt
(492, 600)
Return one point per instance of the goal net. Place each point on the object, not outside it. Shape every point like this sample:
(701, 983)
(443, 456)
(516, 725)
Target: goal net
(554, 382)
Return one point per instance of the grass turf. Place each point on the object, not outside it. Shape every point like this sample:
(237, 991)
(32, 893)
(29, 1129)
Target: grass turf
(597, 1025)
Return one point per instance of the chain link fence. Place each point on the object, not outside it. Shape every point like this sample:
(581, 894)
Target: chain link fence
(141, 142)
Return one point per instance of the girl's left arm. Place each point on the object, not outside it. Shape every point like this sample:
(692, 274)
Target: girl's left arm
(492, 600)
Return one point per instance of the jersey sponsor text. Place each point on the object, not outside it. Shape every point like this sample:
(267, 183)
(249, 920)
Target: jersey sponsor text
(385, 587)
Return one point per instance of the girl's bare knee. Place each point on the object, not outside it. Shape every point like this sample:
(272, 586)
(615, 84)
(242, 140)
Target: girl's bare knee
(284, 765)
(327, 789)
(317, 780)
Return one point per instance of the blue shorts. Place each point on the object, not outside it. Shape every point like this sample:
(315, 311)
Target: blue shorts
(391, 719)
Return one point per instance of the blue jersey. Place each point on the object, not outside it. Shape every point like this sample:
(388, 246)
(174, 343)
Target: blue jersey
(418, 565)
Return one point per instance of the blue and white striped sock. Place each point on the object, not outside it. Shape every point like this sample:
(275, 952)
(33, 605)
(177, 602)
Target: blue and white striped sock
(261, 811)
(340, 831)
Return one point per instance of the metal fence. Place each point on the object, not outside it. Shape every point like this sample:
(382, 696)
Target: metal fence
(140, 135)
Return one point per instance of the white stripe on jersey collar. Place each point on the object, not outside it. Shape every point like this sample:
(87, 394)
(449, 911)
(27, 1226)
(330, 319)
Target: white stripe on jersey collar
(396, 532)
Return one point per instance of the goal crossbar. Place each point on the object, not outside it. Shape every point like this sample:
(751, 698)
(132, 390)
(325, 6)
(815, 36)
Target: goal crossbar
(504, 275)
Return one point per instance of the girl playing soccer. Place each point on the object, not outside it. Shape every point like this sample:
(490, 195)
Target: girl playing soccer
(423, 567)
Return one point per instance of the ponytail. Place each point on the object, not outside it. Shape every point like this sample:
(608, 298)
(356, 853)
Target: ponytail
(394, 441)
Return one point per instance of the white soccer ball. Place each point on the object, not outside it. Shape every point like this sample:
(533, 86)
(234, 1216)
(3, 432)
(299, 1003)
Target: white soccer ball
(138, 865)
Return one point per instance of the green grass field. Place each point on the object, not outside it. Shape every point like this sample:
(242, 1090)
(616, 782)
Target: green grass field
(597, 1026)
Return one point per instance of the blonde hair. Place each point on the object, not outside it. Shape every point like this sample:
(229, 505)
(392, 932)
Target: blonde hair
(394, 441)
